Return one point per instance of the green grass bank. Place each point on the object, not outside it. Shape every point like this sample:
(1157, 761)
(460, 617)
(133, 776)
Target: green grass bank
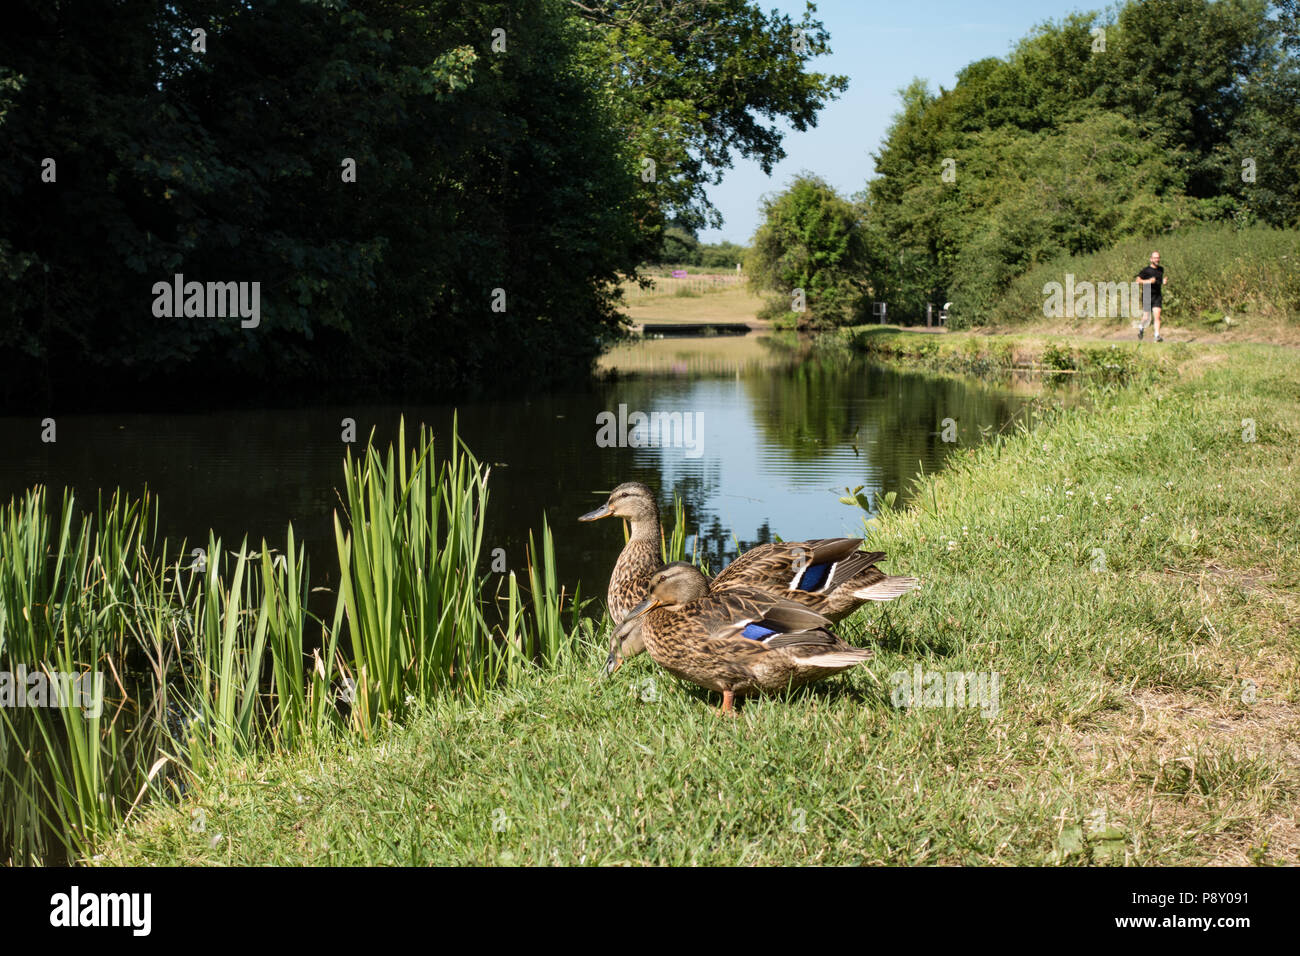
(1124, 566)
(1099, 360)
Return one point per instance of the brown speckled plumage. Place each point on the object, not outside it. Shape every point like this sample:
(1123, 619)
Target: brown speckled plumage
(697, 634)
(852, 580)
(638, 560)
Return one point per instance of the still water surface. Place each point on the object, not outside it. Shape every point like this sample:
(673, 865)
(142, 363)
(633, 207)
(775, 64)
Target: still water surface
(782, 432)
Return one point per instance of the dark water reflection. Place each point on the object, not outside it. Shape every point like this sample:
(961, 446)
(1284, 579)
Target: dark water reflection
(783, 433)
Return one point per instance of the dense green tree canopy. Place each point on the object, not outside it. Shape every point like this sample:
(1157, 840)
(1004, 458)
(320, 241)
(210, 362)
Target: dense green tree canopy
(722, 255)
(680, 245)
(697, 82)
(496, 201)
(811, 240)
(1155, 115)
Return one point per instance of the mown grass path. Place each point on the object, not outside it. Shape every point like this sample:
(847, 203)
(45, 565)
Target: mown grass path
(1130, 571)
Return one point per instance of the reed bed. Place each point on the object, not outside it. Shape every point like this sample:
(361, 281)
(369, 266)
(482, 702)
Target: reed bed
(189, 655)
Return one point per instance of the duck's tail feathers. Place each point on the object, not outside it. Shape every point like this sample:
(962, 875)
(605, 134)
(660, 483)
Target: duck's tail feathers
(886, 589)
(838, 660)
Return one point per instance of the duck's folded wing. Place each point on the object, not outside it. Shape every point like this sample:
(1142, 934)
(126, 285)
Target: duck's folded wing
(832, 562)
(817, 647)
(818, 566)
(885, 588)
(731, 610)
(766, 619)
(757, 563)
(818, 638)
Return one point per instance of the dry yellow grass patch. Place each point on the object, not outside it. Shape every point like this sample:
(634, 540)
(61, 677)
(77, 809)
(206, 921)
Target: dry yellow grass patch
(734, 304)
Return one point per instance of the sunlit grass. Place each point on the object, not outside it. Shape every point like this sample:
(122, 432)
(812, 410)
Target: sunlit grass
(1119, 563)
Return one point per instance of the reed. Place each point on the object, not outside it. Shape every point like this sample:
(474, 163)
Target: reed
(539, 639)
(213, 653)
(73, 597)
(411, 592)
(672, 545)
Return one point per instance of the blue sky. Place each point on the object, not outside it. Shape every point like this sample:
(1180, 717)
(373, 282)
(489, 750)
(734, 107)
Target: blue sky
(880, 47)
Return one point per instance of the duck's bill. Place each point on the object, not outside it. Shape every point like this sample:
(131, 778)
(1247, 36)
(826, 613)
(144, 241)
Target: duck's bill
(630, 625)
(601, 512)
(649, 604)
(612, 663)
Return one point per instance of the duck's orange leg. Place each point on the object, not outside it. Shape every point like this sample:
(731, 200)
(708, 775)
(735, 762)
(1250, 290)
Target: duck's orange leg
(728, 697)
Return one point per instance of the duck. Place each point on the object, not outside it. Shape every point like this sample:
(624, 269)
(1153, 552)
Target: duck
(831, 576)
(637, 562)
(738, 641)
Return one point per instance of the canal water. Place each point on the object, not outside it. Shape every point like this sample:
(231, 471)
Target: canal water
(765, 434)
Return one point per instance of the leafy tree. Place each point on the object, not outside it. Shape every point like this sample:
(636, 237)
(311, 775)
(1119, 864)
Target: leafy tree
(1288, 23)
(680, 245)
(1262, 165)
(1092, 129)
(1179, 68)
(722, 255)
(1033, 197)
(696, 82)
(497, 147)
(477, 169)
(811, 239)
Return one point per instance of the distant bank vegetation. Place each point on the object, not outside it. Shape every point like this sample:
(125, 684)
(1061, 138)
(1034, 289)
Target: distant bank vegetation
(1161, 122)
(1217, 274)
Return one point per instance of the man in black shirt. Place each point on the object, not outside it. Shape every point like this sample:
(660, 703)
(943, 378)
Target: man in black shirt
(1152, 279)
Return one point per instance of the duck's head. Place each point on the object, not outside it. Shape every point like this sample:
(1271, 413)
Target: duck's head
(631, 500)
(671, 586)
(621, 635)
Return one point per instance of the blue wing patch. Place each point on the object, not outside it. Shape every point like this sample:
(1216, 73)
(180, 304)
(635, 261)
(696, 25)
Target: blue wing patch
(814, 576)
(757, 632)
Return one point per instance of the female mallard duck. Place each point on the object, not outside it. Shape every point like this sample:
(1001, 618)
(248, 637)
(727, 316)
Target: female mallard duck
(738, 641)
(639, 559)
(828, 575)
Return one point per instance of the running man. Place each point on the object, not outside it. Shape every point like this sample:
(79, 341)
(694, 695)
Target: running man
(1153, 277)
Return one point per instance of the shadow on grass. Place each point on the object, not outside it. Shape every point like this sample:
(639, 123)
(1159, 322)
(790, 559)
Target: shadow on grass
(831, 689)
(884, 634)
(881, 633)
